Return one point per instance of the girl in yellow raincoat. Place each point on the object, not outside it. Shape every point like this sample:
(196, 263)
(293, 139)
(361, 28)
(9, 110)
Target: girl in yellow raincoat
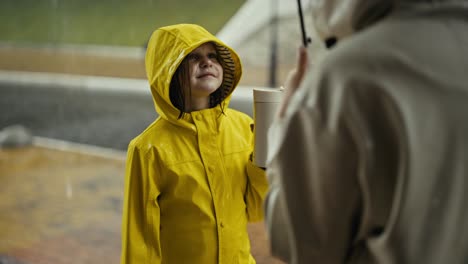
(190, 185)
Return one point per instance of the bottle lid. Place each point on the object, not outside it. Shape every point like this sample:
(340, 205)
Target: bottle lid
(267, 95)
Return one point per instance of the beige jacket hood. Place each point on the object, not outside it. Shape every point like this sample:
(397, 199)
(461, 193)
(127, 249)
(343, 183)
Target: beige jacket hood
(341, 18)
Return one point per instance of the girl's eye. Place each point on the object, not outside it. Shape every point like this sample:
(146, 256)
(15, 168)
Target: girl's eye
(197, 57)
(193, 57)
(213, 56)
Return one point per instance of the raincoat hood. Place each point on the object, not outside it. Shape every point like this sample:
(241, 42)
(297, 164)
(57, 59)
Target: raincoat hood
(167, 48)
(341, 18)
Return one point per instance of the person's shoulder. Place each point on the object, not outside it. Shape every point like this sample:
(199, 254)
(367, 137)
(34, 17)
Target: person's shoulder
(150, 137)
(366, 49)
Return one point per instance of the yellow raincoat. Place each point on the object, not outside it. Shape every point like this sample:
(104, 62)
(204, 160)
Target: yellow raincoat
(189, 186)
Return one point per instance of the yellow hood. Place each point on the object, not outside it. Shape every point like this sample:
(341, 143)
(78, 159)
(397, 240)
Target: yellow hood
(167, 48)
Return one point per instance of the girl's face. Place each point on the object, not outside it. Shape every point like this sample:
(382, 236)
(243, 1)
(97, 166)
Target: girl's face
(205, 71)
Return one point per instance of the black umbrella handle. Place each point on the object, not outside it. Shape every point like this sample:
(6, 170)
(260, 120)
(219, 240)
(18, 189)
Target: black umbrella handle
(305, 39)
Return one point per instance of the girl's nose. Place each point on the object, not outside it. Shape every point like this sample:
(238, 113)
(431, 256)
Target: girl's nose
(206, 62)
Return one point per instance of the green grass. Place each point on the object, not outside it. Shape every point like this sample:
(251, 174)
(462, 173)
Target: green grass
(105, 22)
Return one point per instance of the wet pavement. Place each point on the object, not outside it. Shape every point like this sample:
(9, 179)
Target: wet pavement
(99, 118)
(59, 206)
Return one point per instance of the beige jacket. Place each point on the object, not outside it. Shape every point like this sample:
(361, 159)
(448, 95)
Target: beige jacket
(370, 163)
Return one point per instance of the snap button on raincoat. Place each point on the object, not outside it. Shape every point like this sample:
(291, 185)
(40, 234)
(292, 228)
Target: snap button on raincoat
(190, 188)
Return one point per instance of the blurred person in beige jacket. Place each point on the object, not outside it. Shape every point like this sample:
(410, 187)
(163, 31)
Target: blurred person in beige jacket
(368, 157)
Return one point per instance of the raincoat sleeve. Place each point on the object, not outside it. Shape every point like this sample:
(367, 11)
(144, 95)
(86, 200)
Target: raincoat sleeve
(141, 213)
(257, 189)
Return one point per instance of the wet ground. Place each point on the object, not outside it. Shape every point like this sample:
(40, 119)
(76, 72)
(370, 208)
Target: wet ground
(59, 207)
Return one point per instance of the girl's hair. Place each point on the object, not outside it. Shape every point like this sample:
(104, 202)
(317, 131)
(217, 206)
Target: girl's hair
(181, 78)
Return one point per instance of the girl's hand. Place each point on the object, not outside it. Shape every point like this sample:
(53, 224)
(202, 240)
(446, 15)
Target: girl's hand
(294, 79)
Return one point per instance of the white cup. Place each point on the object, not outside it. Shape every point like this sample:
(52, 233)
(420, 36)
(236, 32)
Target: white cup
(266, 104)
